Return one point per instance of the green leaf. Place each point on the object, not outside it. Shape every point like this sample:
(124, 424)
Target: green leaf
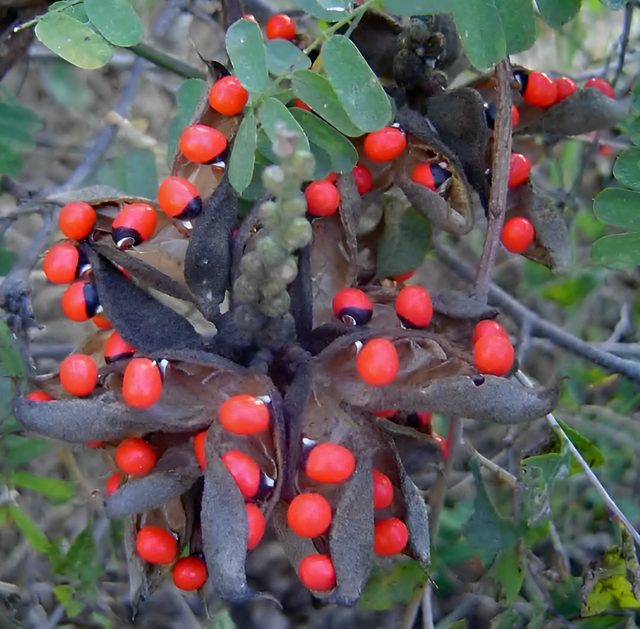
(486, 530)
(20, 116)
(518, 24)
(556, 13)
(570, 291)
(633, 129)
(10, 161)
(140, 175)
(322, 166)
(188, 97)
(316, 91)
(400, 585)
(357, 87)
(620, 251)
(342, 152)
(11, 364)
(508, 569)
(313, 7)
(243, 156)
(247, 53)
(53, 488)
(618, 207)
(627, 168)
(63, 593)
(404, 243)
(223, 620)
(480, 29)
(283, 57)
(506, 620)
(589, 450)
(416, 7)
(20, 449)
(32, 533)
(76, 11)
(614, 5)
(274, 113)
(75, 42)
(63, 85)
(116, 20)
(7, 260)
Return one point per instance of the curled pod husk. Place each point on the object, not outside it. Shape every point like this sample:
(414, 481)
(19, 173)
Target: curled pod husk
(173, 475)
(451, 210)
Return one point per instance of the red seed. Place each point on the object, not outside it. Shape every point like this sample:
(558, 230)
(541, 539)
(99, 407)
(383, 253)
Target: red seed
(378, 363)
(390, 537)
(414, 307)
(385, 144)
(330, 463)
(134, 224)
(309, 515)
(244, 415)
(60, 265)
(382, 490)
(141, 383)
(255, 519)
(493, 355)
(487, 328)
(76, 220)
(156, 545)
(80, 301)
(317, 573)
(201, 144)
(244, 470)
(113, 483)
(79, 374)
(117, 349)
(364, 180)
(135, 457)
(179, 198)
(353, 305)
(39, 396)
(189, 573)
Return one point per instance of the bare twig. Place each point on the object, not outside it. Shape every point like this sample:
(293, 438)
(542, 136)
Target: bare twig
(623, 42)
(438, 490)
(167, 62)
(593, 479)
(512, 307)
(507, 478)
(500, 176)
(623, 324)
(427, 611)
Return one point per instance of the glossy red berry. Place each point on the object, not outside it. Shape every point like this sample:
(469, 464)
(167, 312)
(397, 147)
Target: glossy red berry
(201, 144)
(317, 573)
(245, 472)
(79, 374)
(300, 104)
(515, 116)
(364, 180)
(443, 443)
(601, 85)
(540, 90)
(414, 307)
(322, 197)
(135, 457)
(403, 277)
(493, 355)
(385, 414)
(80, 301)
(189, 573)
(330, 463)
(60, 265)
(430, 175)
(424, 419)
(101, 322)
(76, 220)
(156, 545)
(113, 483)
(141, 383)
(352, 306)
(378, 363)
(519, 169)
(565, 87)
(517, 234)
(255, 520)
(309, 515)
(134, 224)
(198, 448)
(281, 27)
(382, 490)
(179, 198)
(385, 144)
(390, 536)
(39, 396)
(117, 349)
(227, 96)
(244, 415)
(487, 328)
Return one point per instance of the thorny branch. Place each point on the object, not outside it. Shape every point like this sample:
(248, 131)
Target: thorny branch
(516, 310)
(500, 173)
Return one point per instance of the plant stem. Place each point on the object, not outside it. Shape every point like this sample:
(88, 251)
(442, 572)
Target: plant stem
(35, 20)
(499, 186)
(167, 62)
(338, 25)
(593, 479)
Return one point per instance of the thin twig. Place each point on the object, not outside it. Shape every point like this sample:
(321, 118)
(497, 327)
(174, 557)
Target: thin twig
(623, 324)
(438, 490)
(167, 62)
(593, 479)
(427, 611)
(499, 187)
(516, 310)
(506, 477)
(623, 42)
